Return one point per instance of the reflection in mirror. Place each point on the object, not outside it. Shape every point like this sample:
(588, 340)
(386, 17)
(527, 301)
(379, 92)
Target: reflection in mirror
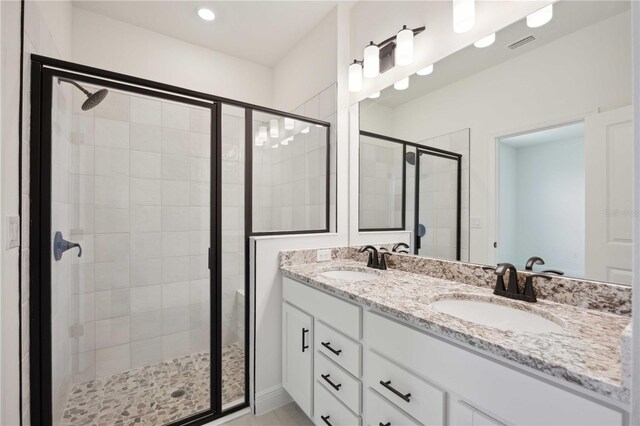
(381, 184)
(542, 120)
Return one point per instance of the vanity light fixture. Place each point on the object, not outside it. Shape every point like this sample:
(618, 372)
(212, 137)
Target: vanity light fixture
(305, 130)
(289, 123)
(464, 15)
(274, 130)
(381, 57)
(206, 14)
(371, 62)
(401, 84)
(355, 76)
(404, 47)
(426, 70)
(374, 95)
(540, 17)
(262, 132)
(485, 41)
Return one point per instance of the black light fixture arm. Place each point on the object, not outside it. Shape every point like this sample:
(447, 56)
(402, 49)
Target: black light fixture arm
(391, 39)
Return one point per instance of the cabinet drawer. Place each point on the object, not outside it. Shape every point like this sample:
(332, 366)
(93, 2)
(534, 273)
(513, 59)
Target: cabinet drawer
(418, 398)
(382, 412)
(330, 412)
(339, 348)
(339, 314)
(338, 382)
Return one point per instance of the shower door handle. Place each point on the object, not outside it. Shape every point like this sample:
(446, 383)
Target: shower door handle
(60, 245)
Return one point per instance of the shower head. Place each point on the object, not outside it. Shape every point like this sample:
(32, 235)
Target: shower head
(93, 99)
(410, 157)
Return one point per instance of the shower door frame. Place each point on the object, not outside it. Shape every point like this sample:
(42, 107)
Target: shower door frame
(43, 72)
(453, 156)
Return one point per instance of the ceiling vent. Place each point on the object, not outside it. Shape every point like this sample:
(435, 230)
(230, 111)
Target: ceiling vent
(522, 42)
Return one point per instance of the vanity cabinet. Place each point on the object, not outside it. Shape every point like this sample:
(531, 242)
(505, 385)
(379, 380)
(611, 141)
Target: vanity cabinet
(362, 367)
(297, 356)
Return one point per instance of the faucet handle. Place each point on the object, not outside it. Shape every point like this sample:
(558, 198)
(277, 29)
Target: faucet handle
(553, 271)
(534, 260)
(529, 293)
(499, 279)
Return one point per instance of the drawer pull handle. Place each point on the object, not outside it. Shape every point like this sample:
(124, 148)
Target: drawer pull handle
(384, 424)
(326, 420)
(328, 346)
(333, 385)
(304, 333)
(387, 385)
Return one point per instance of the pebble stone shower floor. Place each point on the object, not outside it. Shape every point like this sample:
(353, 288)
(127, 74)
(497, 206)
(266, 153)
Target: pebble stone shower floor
(144, 396)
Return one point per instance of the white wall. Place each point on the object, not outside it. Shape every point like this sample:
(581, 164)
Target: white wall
(113, 45)
(308, 68)
(495, 102)
(548, 189)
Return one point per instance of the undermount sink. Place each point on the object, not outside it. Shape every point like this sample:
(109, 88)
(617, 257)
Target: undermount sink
(349, 275)
(495, 315)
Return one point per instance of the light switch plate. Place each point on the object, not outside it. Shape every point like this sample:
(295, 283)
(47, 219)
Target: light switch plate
(12, 224)
(323, 255)
(476, 222)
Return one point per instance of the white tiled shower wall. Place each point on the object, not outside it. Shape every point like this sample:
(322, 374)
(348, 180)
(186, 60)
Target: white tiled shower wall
(437, 194)
(290, 181)
(140, 293)
(380, 184)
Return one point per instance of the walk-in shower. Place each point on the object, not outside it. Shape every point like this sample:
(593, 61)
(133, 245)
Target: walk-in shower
(136, 319)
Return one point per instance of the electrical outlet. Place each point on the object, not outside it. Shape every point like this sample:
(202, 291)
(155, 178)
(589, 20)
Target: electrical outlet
(323, 255)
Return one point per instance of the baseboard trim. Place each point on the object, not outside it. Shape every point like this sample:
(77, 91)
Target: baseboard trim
(271, 399)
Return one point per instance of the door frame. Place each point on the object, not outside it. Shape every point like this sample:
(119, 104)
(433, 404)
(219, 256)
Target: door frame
(416, 207)
(43, 72)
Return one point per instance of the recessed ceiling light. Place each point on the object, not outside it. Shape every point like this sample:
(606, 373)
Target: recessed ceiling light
(206, 14)
(485, 41)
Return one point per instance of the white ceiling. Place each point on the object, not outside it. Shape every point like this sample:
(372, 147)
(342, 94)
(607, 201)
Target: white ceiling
(554, 134)
(259, 31)
(568, 17)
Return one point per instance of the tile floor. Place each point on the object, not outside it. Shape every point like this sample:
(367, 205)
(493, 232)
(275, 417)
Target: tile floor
(144, 396)
(289, 415)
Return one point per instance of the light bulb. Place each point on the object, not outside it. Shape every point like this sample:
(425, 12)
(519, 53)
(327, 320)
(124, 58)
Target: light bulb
(401, 84)
(404, 46)
(426, 70)
(274, 146)
(289, 123)
(206, 14)
(485, 41)
(262, 132)
(305, 130)
(355, 77)
(374, 95)
(259, 141)
(464, 15)
(541, 17)
(371, 65)
(274, 131)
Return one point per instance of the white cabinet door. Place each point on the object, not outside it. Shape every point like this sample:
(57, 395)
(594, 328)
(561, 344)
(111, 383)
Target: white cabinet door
(297, 356)
(463, 414)
(609, 195)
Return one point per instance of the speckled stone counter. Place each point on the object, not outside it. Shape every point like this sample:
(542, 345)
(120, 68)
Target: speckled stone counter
(587, 352)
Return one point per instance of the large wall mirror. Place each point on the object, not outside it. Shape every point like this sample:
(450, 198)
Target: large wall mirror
(515, 149)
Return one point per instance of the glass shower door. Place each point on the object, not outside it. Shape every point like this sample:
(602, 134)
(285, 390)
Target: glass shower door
(437, 213)
(131, 227)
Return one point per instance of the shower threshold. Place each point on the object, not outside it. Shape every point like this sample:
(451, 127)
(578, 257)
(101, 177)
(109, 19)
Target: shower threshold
(155, 394)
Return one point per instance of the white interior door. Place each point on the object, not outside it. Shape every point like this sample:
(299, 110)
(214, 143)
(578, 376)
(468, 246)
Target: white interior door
(609, 195)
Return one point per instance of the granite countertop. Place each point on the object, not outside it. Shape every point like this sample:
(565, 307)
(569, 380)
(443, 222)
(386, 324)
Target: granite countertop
(587, 352)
